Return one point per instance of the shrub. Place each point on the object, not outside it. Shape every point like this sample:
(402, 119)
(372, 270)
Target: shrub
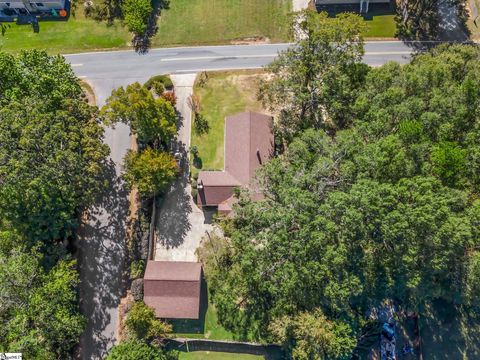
(164, 79)
(194, 151)
(158, 88)
(141, 323)
(201, 124)
(194, 184)
(137, 289)
(170, 96)
(195, 176)
(134, 350)
(136, 269)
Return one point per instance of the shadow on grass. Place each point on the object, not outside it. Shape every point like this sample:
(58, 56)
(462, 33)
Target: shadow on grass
(374, 10)
(142, 43)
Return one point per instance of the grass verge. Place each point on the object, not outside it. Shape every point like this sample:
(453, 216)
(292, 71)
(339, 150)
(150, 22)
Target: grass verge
(222, 94)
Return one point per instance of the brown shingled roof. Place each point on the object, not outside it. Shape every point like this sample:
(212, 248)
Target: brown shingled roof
(248, 144)
(172, 289)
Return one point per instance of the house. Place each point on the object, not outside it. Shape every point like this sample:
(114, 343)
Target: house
(173, 289)
(363, 4)
(28, 11)
(248, 144)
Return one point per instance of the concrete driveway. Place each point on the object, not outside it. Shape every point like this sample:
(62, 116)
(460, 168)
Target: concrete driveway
(180, 223)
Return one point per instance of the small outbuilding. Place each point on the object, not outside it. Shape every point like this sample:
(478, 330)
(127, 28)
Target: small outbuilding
(173, 289)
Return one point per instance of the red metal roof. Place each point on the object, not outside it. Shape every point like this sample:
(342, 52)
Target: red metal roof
(248, 144)
(173, 288)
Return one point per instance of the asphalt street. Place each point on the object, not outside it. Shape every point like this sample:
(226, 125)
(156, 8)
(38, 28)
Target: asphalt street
(102, 238)
(128, 65)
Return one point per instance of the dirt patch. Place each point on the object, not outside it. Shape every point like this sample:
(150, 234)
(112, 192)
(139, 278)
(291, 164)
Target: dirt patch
(251, 41)
(88, 93)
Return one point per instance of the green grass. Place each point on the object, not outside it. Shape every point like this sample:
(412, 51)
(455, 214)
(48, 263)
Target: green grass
(220, 21)
(380, 25)
(75, 35)
(210, 355)
(224, 93)
(187, 22)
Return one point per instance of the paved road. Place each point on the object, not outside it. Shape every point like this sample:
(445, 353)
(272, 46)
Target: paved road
(101, 239)
(128, 65)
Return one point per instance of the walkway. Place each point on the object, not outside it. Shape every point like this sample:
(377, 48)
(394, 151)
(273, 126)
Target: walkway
(180, 223)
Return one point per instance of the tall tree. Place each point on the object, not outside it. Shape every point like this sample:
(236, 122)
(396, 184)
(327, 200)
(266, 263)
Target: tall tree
(150, 171)
(52, 159)
(153, 120)
(315, 82)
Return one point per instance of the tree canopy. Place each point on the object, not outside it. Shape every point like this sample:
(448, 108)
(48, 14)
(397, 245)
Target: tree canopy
(52, 158)
(52, 167)
(153, 120)
(383, 208)
(315, 81)
(150, 171)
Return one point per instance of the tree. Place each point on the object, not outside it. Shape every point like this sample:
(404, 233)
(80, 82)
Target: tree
(153, 120)
(417, 19)
(133, 350)
(136, 14)
(150, 171)
(142, 324)
(311, 336)
(38, 310)
(315, 82)
(52, 158)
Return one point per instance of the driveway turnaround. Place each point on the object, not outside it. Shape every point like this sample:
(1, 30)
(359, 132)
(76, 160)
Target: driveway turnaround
(180, 223)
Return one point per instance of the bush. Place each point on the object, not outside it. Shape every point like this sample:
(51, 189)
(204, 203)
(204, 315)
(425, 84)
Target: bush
(194, 151)
(201, 125)
(141, 323)
(134, 350)
(137, 289)
(136, 269)
(194, 184)
(170, 97)
(164, 79)
(195, 176)
(158, 88)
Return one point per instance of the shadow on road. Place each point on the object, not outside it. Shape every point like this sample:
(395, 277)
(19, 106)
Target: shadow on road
(101, 254)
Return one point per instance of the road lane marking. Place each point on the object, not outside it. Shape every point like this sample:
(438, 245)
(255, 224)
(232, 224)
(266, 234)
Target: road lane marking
(226, 57)
(76, 65)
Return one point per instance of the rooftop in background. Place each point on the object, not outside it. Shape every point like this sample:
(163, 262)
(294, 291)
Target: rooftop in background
(173, 289)
(248, 144)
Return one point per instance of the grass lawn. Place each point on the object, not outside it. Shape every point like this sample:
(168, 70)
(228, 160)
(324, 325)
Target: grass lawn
(220, 21)
(76, 34)
(210, 355)
(380, 25)
(223, 94)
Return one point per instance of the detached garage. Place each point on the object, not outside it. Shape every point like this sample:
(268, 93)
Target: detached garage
(173, 289)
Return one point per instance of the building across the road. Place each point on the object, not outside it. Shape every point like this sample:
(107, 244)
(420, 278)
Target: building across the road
(173, 289)
(248, 144)
(363, 4)
(31, 11)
